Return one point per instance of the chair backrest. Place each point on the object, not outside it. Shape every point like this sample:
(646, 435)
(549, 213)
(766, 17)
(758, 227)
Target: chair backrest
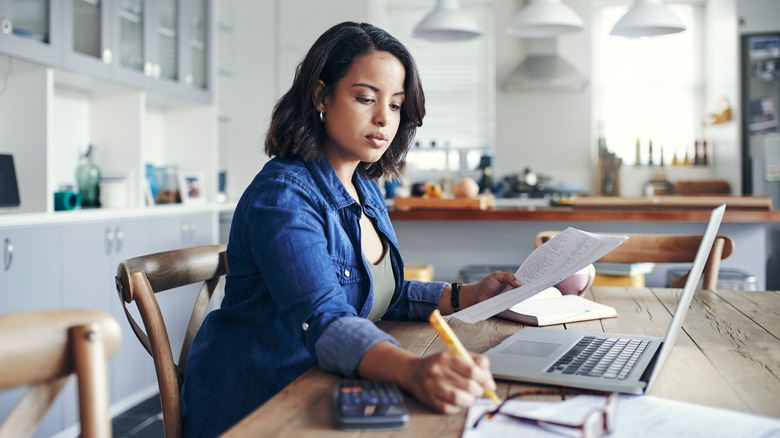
(138, 280)
(665, 248)
(42, 350)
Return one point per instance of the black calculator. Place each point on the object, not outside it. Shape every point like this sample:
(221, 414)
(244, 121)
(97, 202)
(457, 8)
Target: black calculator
(366, 404)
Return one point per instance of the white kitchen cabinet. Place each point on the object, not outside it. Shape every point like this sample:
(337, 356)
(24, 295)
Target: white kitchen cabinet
(86, 41)
(72, 265)
(183, 231)
(48, 117)
(164, 46)
(28, 31)
(30, 271)
(72, 78)
(29, 281)
(91, 253)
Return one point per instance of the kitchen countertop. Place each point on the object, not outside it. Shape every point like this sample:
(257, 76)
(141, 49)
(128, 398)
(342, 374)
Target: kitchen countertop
(657, 209)
(576, 214)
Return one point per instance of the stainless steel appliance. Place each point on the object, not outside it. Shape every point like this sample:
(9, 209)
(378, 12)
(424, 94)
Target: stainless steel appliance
(760, 80)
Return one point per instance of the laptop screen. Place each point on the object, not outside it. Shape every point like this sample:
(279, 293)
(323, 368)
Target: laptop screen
(690, 287)
(9, 190)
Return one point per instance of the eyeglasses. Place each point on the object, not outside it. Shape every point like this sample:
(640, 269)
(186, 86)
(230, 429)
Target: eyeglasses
(594, 424)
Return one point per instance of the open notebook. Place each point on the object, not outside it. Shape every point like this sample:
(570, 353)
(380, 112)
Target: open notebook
(550, 307)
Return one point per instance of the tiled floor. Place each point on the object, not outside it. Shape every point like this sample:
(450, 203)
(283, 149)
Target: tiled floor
(141, 421)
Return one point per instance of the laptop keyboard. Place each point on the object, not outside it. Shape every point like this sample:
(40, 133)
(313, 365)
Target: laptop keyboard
(609, 358)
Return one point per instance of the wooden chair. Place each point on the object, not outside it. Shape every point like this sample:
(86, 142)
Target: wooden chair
(665, 248)
(42, 350)
(138, 280)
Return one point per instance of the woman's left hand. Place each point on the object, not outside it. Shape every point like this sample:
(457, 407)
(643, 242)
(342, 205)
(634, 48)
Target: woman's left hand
(492, 285)
(471, 294)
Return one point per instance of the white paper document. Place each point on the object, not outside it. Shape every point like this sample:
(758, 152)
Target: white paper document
(636, 416)
(560, 257)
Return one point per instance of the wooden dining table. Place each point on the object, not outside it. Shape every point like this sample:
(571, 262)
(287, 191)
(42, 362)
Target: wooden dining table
(726, 356)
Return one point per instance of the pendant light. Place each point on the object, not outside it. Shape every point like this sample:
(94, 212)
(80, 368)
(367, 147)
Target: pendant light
(648, 18)
(543, 70)
(447, 22)
(544, 19)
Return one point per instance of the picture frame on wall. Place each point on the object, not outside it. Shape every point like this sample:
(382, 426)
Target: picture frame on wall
(191, 187)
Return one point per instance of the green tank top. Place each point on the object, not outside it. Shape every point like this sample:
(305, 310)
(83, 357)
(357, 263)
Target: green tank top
(384, 285)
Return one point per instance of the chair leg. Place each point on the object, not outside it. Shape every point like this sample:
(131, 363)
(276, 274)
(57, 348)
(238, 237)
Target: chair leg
(89, 363)
(24, 419)
(712, 268)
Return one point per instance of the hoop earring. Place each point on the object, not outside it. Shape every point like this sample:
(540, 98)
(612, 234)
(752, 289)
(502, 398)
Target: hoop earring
(322, 116)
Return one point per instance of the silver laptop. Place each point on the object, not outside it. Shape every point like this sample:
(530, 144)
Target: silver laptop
(583, 359)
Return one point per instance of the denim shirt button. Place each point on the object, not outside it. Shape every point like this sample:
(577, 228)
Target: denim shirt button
(305, 326)
(346, 273)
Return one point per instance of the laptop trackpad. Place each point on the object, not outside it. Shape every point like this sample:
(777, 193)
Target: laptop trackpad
(529, 348)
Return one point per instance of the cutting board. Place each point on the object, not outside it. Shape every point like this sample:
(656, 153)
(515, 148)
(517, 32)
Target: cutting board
(481, 202)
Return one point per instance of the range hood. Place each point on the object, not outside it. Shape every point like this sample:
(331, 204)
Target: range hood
(543, 70)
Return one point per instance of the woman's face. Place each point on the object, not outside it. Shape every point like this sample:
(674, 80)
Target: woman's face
(364, 111)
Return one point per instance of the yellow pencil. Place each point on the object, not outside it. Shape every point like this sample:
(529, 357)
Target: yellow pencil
(453, 343)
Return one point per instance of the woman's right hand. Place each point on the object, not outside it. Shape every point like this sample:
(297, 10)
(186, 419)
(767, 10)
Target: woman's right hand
(447, 382)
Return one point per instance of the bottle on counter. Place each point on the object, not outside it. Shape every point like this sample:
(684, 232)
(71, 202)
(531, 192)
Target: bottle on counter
(687, 159)
(650, 152)
(88, 180)
(638, 153)
(486, 181)
(703, 158)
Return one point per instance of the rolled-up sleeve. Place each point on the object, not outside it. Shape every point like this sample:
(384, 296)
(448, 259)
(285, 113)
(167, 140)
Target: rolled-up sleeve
(417, 301)
(342, 345)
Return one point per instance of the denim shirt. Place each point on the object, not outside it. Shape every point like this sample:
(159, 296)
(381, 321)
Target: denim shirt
(297, 295)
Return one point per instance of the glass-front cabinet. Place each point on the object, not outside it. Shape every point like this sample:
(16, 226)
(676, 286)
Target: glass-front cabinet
(157, 45)
(132, 64)
(86, 37)
(197, 76)
(164, 45)
(29, 30)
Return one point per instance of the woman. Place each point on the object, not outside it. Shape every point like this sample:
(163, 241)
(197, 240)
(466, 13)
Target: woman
(313, 257)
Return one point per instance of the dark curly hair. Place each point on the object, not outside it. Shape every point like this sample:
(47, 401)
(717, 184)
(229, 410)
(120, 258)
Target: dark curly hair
(295, 130)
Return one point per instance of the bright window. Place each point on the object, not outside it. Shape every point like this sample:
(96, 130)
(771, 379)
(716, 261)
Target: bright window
(649, 88)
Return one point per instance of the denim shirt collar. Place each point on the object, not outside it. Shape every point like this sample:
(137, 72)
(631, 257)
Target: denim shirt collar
(334, 191)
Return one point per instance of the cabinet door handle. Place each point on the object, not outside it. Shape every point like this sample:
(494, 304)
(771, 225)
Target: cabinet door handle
(108, 241)
(6, 27)
(185, 231)
(119, 239)
(8, 254)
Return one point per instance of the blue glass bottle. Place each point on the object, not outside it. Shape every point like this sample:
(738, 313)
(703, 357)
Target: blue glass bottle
(88, 180)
